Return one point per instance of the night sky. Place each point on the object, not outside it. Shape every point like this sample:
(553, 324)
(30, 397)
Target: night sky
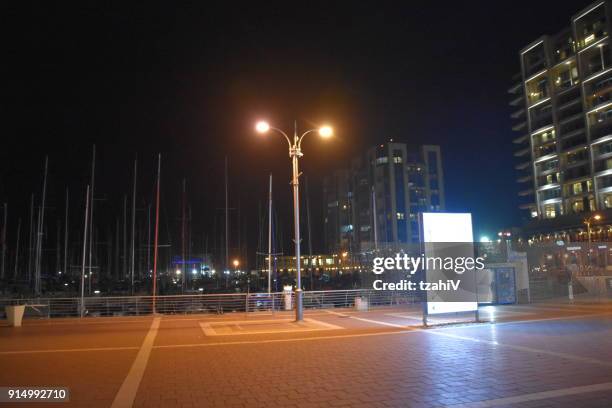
(190, 80)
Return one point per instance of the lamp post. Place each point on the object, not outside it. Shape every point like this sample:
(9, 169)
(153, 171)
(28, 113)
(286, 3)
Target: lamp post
(295, 152)
(588, 221)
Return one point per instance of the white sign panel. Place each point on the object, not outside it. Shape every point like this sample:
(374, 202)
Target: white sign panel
(438, 230)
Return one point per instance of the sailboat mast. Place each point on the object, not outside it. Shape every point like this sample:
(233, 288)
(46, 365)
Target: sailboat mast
(270, 236)
(31, 239)
(309, 234)
(84, 255)
(16, 271)
(133, 248)
(226, 220)
(148, 239)
(184, 274)
(156, 232)
(91, 211)
(3, 239)
(226, 269)
(41, 223)
(65, 269)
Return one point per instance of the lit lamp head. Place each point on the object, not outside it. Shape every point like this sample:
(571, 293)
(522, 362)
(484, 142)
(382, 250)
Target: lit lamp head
(326, 131)
(597, 217)
(262, 126)
(236, 263)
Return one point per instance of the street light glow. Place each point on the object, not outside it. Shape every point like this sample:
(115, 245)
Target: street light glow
(262, 126)
(236, 263)
(295, 152)
(326, 131)
(597, 217)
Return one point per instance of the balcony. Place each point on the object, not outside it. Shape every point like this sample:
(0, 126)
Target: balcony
(573, 142)
(551, 193)
(519, 126)
(539, 122)
(603, 164)
(549, 181)
(518, 113)
(521, 139)
(517, 101)
(524, 179)
(569, 95)
(524, 193)
(569, 111)
(522, 165)
(600, 130)
(572, 125)
(523, 152)
(576, 173)
(544, 150)
(598, 92)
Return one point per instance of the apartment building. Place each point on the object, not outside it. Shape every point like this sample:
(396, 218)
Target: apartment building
(563, 119)
(376, 202)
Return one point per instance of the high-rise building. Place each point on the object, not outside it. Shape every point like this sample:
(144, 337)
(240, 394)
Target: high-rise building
(397, 183)
(563, 116)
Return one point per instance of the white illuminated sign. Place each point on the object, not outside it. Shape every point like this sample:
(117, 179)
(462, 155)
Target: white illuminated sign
(446, 228)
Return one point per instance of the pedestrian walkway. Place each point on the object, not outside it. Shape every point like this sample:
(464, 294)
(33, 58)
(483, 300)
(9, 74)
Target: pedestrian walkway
(541, 355)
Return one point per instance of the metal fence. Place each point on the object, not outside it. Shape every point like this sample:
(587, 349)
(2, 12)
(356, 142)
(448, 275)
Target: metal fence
(208, 303)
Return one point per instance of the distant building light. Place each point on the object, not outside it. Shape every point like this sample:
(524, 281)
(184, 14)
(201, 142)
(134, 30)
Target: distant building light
(484, 238)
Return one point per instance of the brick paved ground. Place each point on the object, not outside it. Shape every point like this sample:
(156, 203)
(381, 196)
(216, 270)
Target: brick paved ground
(547, 355)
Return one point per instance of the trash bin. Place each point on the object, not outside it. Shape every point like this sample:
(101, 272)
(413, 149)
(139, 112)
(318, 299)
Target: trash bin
(361, 303)
(14, 315)
(287, 296)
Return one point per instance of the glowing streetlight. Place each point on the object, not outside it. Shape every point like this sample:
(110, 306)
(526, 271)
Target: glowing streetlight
(588, 221)
(326, 131)
(236, 263)
(262, 127)
(295, 152)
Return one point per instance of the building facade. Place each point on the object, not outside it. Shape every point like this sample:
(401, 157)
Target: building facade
(377, 201)
(562, 103)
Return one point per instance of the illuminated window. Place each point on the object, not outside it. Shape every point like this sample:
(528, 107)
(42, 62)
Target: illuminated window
(400, 215)
(382, 160)
(577, 188)
(577, 207)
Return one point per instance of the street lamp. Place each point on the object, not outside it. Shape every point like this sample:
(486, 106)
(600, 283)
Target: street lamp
(236, 263)
(295, 152)
(588, 221)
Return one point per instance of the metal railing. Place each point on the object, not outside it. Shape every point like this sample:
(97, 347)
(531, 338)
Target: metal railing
(205, 303)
